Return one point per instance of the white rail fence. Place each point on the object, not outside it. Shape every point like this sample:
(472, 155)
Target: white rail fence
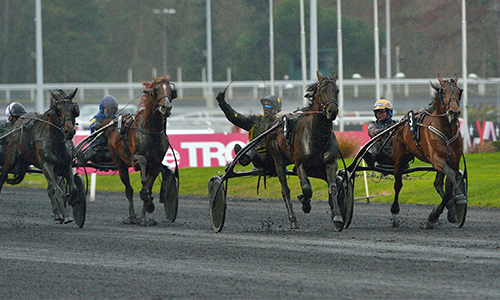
(244, 90)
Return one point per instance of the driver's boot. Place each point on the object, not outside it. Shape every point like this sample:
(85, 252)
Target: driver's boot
(245, 159)
(88, 155)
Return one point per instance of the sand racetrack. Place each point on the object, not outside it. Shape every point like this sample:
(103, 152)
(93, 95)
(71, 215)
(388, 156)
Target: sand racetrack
(256, 256)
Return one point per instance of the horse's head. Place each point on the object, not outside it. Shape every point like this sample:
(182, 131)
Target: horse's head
(448, 96)
(162, 92)
(325, 98)
(64, 112)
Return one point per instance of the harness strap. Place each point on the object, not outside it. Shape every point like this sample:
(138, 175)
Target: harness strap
(443, 137)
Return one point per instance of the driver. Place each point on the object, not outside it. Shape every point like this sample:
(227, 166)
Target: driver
(13, 112)
(98, 150)
(255, 125)
(383, 114)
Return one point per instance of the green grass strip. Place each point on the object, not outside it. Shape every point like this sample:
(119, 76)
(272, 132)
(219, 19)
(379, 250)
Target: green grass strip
(418, 188)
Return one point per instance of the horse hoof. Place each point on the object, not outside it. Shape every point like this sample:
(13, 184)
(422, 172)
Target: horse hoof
(337, 218)
(429, 225)
(294, 225)
(434, 216)
(148, 222)
(58, 218)
(306, 208)
(460, 199)
(150, 208)
(395, 210)
(130, 221)
(68, 220)
(451, 216)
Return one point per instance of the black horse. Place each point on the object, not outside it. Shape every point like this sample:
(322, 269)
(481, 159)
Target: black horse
(312, 147)
(46, 142)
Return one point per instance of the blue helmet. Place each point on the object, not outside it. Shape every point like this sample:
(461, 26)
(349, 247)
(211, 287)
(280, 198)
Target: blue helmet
(110, 103)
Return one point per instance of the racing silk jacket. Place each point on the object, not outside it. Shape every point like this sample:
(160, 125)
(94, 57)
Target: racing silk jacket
(254, 124)
(95, 123)
(97, 120)
(375, 128)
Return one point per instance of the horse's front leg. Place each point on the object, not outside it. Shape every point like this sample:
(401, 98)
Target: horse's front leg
(152, 174)
(307, 191)
(331, 178)
(145, 193)
(285, 192)
(438, 185)
(452, 188)
(56, 195)
(129, 193)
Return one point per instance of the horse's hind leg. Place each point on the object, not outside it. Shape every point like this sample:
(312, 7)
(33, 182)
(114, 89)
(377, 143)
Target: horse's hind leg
(129, 192)
(398, 184)
(307, 192)
(145, 192)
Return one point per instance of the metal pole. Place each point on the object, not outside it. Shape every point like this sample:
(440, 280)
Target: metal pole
(39, 58)
(271, 45)
(377, 50)
(465, 127)
(165, 48)
(388, 49)
(340, 65)
(210, 98)
(314, 39)
(303, 49)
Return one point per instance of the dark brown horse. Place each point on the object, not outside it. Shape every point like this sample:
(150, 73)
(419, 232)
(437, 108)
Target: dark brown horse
(142, 143)
(439, 143)
(46, 141)
(311, 146)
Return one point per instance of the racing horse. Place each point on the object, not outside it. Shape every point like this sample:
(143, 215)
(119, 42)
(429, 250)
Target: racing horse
(311, 146)
(46, 142)
(433, 136)
(141, 143)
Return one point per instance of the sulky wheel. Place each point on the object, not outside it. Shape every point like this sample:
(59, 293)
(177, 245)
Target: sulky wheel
(80, 207)
(169, 193)
(217, 206)
(348, 187)
(461, 208)
(345, 198)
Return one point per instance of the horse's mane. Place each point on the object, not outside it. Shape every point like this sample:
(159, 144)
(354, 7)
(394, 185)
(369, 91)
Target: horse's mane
(311, 90)
(145, 99)
(432, 104)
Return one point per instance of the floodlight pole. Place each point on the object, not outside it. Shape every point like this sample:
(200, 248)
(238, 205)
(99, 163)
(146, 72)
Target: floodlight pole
(39, 58)
(165, 12)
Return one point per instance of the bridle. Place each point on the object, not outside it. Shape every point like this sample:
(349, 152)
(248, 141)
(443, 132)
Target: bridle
(334, 100)
(441, 95)
(152, 92)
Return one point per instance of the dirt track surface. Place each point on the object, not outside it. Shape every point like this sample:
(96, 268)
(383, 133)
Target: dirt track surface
(256, 256)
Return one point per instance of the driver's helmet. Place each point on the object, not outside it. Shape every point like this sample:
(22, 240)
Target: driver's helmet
(110, 103)
(383, 104)
(15, 109)
(272, 100)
